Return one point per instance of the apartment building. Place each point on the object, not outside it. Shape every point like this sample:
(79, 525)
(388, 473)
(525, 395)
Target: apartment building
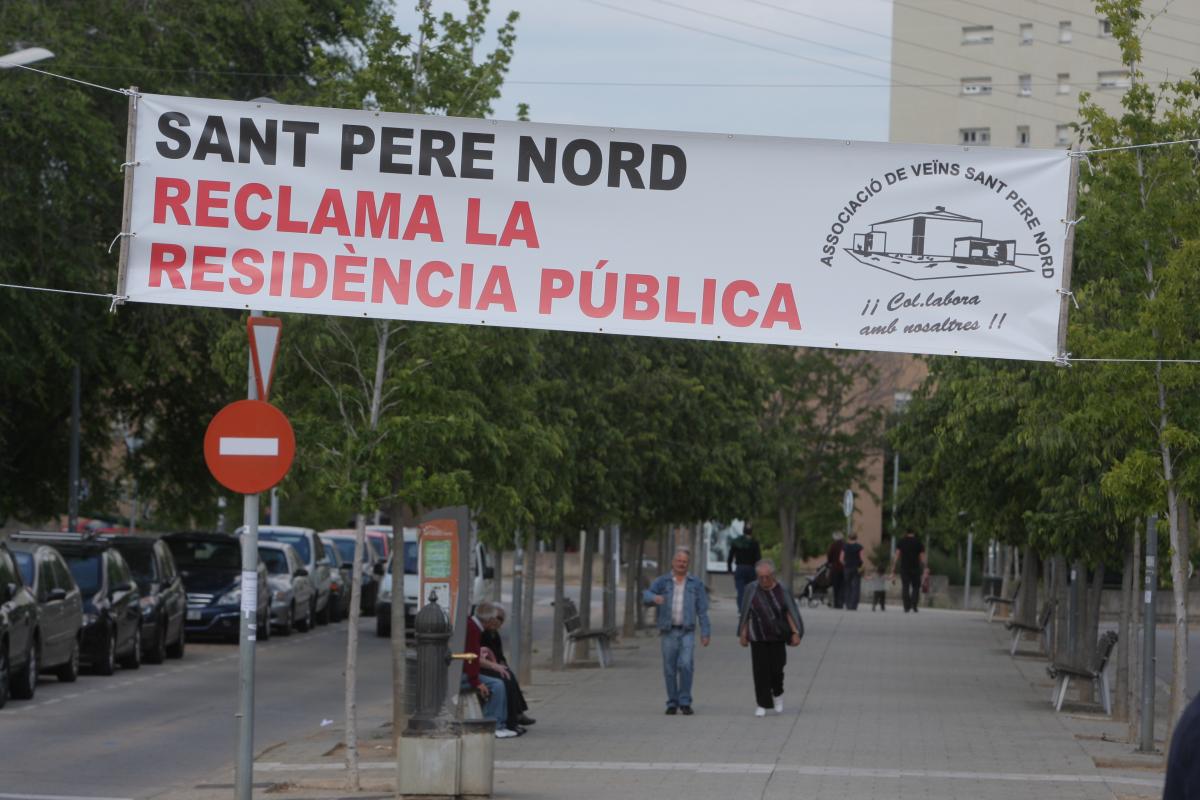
(1008, 73)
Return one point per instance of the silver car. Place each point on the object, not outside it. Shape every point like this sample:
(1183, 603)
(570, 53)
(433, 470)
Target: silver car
(312, 554)
(292, 590)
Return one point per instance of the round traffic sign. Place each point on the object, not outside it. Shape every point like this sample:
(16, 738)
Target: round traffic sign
(249, 446)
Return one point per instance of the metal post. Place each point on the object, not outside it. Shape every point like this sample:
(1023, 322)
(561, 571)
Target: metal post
(1146, 739)
(247, 632)
(895, 496)
(518, 592)
(274, 505)
(967, 580)
(73, 468)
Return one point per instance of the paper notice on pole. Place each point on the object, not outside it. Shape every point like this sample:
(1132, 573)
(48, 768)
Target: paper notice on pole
(249, 593)
(1149, 596)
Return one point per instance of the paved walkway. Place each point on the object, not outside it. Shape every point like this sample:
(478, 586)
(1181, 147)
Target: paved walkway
(877, 705)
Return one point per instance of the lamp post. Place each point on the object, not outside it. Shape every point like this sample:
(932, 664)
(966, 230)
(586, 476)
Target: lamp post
(901, 400)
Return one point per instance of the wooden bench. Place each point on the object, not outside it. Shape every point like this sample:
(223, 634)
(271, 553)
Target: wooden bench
(574, 631)
(1096, 672)
(1008, 602)
(1017, 627)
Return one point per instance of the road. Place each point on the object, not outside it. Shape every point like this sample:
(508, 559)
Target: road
(139, 734)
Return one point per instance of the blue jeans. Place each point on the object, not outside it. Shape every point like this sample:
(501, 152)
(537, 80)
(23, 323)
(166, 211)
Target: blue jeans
(743, 576)
(496, 706)
(678, 648)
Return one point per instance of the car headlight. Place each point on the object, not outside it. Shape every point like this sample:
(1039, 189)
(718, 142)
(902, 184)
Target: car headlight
(231, 598)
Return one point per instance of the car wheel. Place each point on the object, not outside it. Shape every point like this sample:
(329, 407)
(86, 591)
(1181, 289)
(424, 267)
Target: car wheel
(286, 628)
(68, 672)
(305, 624)
(335, 609)
(107, 663)
(383, 625)
(176, 650)
(157, 653)
(134, 659)
(3, 673)
(368, 605)
(323, 614)
(25, 682)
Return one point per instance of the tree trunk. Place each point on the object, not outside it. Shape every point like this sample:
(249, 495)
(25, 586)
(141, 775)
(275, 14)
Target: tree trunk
(585, 591)
(351, 738)
(787, 533)
(638, 605)
(1005, 561)
(1079, 640)
(610, 577)
(399, 641)
(498, 576)
(1027, 601)
(1124, 633)
(556, 633)
(633, 552)
(1133, 652)
(525, 666)
(1090, 629)
(1061, 649)
(1180, 558)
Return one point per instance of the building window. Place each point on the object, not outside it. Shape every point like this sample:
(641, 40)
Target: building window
(1062, 134)
(1105, 29)
(1026, 33)
(1022, 136)
(1064, 83)
(1113, 79)
(1064, 31)
(975, 135)
(977, 34)
(976, 85)
(1026, 85)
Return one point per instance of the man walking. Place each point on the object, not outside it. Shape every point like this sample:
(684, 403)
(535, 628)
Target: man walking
(682, 602)
(910, 556)
(744, 552)
(769, 623)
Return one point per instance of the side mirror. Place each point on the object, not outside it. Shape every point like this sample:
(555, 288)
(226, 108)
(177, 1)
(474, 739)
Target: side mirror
(56, 594)
(302, 573)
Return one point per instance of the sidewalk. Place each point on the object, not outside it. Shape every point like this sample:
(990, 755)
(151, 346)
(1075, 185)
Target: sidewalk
(877, 705)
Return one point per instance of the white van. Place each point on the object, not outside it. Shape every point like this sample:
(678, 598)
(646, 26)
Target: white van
(481, 581)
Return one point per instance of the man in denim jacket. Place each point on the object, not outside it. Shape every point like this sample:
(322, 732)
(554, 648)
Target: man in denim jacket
(681, 600)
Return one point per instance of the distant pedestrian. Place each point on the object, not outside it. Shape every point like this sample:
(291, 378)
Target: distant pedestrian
(682, 603)
(744, 553)
(1183, 765)
(910, 558)
(878, 588)
(852, 570)
(837, 574)
(769, 623)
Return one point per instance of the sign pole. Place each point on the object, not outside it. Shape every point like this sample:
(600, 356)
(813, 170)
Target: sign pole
(1146, 734)
(247, 633)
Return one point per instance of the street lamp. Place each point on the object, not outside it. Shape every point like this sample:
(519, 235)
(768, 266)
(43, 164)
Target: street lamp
(902, 399)
(20, 58)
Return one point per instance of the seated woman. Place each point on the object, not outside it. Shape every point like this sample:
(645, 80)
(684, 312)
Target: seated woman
(497, 667)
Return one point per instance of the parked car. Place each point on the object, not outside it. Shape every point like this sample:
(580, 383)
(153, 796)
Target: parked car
(312, 553)
(18, 631)
(412, 586)
(292, 591)
(60, 607)
(112, 615)
(339, 589)
(381, 537)
(371, 567)
(164, 600)
(210, 565)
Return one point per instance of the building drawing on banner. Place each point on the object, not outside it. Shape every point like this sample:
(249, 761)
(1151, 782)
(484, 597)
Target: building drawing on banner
(928, 245)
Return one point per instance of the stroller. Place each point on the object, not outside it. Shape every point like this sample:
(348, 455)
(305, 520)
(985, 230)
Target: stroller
(816, 590)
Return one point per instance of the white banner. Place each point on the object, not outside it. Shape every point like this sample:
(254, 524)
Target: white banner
(907, 248)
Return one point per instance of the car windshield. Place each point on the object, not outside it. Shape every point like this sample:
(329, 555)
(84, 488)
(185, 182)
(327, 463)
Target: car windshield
(25, 566)
(211, 555)
(296, 540)
(275, 560)
(85, 568)
(345, 548)
(141, 564)
(410, 558)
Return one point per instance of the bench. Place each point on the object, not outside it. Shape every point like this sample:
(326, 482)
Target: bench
(1017, 627)
(1008, 602)
(574, 631)
(1096, 672)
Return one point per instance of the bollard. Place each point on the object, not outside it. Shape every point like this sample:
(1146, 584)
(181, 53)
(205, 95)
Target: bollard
(432, 628)
(429, 755)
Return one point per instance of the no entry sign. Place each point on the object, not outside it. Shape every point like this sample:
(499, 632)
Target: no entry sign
(249, 446)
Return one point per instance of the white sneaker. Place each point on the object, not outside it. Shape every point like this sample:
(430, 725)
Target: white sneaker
(760, 712)
(505, 733)
(778, 706)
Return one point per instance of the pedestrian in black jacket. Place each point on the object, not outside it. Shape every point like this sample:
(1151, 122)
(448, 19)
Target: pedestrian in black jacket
(744, 552)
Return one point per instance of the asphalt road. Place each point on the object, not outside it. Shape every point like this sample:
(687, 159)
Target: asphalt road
(140, 733)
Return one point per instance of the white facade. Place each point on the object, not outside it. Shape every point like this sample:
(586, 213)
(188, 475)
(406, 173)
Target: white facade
(1008, 73)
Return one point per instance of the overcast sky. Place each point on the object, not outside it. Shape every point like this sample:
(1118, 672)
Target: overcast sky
(775, 67)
